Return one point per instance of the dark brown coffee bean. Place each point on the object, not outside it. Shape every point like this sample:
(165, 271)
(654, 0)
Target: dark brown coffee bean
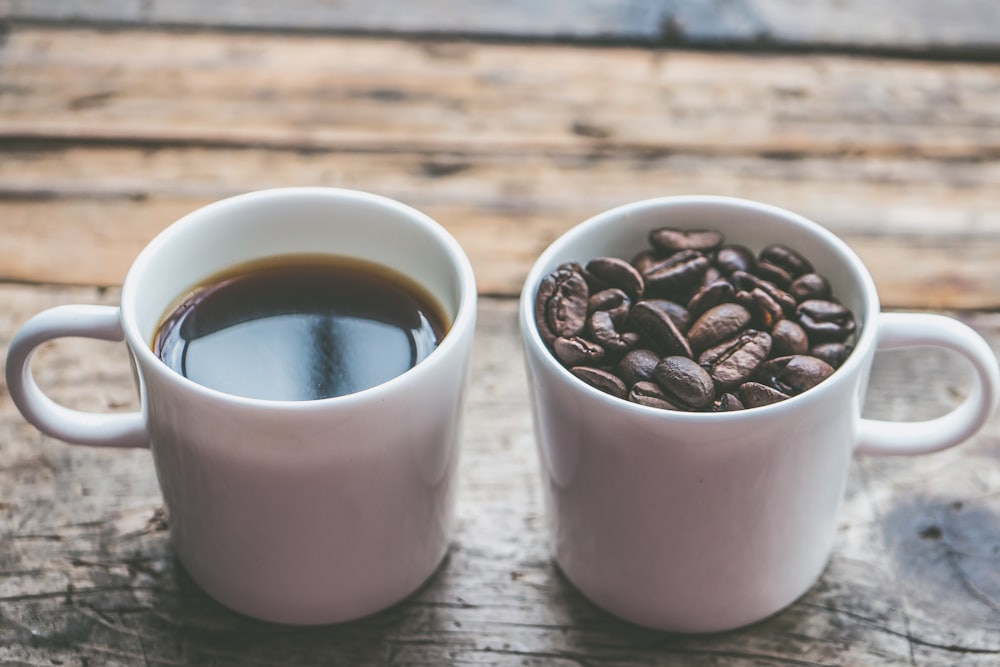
(744, 281)
(788, 338)
(676, 275)
(645, 259)
(709, 296)
(711, 275)
(614, 301)
(834, 354)
(637, 366)
(685, 382)
(731, 258)
(650, 395)
(614, 272)
(716, 325)
(734, 361)
(756, 395)
(678, 313)
(810, 286)
(657, 326)
(795, 374)
(577, 351)
(774, 274)
(727, 403)
(781, 297)
(786, 258)
(675, 240)
(600, 379)
(765, 310)
(825, 321)
(561, 304)
(601, 328)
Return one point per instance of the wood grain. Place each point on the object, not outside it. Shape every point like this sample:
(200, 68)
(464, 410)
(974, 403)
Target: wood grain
(98, 152)
(320, 91)
(93, 239)
(87, 575)
(961, 27)
(509, 123)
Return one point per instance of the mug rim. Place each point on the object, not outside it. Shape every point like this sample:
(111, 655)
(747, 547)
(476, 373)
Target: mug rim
(865, 340)
(462, 322)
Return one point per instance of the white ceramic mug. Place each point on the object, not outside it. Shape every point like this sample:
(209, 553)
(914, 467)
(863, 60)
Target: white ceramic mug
(699, 522)
(291, 511)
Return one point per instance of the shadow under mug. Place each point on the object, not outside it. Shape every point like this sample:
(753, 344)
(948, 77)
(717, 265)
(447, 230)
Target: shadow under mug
(699, 522)
(299, 512)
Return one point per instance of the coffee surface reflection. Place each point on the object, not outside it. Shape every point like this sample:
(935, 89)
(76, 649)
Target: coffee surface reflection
(300, 328)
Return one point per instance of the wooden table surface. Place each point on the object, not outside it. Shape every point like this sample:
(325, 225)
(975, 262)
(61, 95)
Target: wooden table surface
(509, 125)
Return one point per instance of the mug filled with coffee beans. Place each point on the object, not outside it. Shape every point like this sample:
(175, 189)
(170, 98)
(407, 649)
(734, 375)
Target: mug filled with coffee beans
(301, 356)
(698, 367)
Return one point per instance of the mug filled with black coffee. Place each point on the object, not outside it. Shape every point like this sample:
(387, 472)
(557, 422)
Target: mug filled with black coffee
(301, 356)
(697, 367)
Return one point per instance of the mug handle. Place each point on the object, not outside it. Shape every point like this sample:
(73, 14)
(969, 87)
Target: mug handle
(73, 426)
(899, 330)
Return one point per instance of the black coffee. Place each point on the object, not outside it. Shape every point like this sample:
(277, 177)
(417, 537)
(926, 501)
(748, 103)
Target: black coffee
(300, 328)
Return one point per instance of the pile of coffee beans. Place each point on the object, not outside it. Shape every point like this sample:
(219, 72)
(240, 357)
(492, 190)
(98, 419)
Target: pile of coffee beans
(695, 324)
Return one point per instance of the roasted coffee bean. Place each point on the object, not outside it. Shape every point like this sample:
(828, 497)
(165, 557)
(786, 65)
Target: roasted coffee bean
(601, 379)
(637, 366)
(651, 395)
(774, 274)
(709, 296)
(765, 310)
(613, 272)
(645, 259)
(788, 338)
(675, 240)
(614, 301)
(602, 329)
(795, 374)
(711, 275)
(825, 321)
(732, 258)
(727, 403)
(781, 297)
(676, 275)
(734, 361)
(577, 351)
(685, 382)
(561, 303)
(716, 325)
(786, 258)
(834, 354)
(678, 313)
(744, 281)
(810, 286)
(657, 326)
(756, 395)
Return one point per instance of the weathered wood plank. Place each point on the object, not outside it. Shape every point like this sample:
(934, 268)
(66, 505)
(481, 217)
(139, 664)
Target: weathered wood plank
(898, 158)
(87, 575)
(959, 26)
(929, 231)
(82, 242)
(369, 94)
